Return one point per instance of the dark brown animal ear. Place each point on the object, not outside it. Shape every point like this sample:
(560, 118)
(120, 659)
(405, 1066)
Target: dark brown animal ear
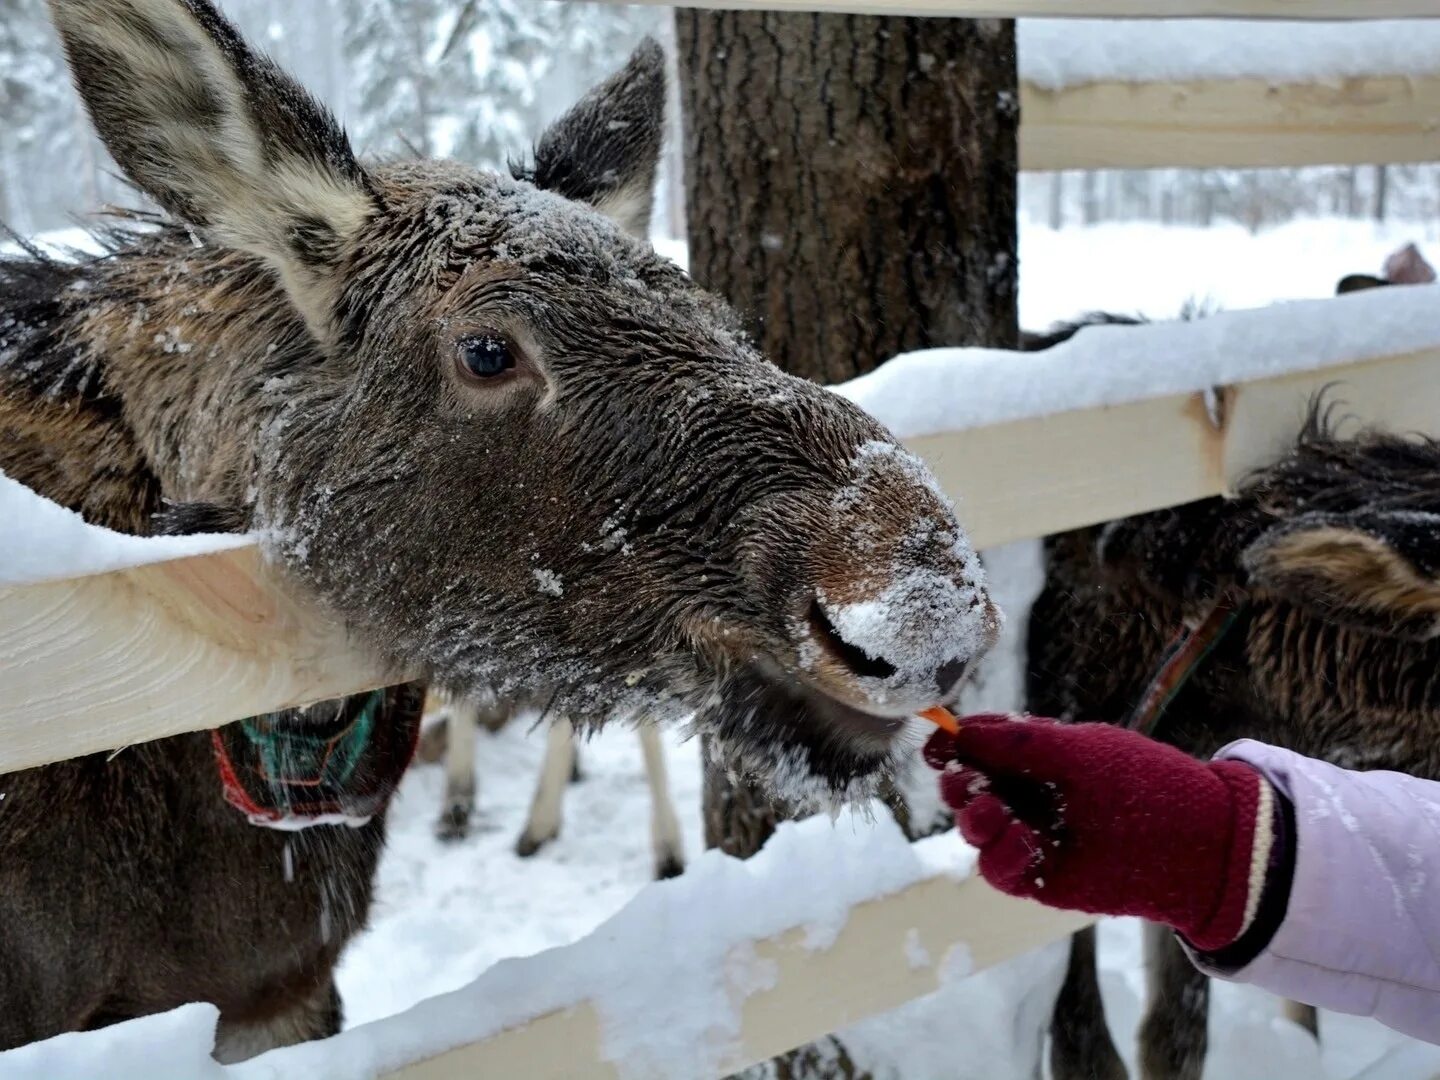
(1374, 570)
(1358, 282)
(217, 134)
(605, 151)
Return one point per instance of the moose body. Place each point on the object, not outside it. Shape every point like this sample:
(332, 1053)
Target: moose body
(473, 418)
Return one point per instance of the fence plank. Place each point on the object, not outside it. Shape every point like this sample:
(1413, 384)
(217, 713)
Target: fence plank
(111, 659)
(1235, 123)
(1039, 476)
(1130, 9)
(873, 966)
(107, 660)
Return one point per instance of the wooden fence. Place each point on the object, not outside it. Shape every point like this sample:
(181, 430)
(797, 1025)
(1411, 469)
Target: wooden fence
(102, 661)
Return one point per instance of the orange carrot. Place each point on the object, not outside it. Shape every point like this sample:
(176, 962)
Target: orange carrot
(942, 718)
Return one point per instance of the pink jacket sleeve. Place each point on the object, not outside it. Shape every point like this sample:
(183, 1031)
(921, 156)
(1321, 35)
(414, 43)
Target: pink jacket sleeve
(1361, 932)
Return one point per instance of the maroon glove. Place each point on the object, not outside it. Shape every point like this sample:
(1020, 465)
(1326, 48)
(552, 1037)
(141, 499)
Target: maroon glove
(1096, 818)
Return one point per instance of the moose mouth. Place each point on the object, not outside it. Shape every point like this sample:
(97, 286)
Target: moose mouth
(775, 726)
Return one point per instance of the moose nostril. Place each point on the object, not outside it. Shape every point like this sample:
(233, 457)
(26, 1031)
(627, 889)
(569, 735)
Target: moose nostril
(950, 673)
(856, 659)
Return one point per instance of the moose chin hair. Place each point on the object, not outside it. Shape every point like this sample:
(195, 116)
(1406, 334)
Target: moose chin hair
(800, 745)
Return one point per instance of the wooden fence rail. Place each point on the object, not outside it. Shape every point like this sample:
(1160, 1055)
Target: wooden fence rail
(900, 942)
(103, 661)
(1236, 123)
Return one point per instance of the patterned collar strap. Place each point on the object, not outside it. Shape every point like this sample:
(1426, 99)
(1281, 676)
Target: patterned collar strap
(334, 763)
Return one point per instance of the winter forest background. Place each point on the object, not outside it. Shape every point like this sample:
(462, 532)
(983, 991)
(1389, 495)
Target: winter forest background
(478, 79)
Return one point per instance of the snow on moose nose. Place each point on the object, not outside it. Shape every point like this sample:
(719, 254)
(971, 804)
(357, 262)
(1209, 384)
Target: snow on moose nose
(900, 612)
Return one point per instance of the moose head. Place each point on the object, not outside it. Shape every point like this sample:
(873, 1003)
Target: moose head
(499, 435)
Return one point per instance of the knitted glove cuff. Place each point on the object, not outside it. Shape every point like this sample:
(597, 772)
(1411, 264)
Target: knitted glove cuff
(1247, 861)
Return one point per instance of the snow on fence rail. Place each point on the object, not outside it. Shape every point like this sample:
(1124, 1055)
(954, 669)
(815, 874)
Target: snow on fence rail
(1118, 421)
(1105, 94)
(700, 976)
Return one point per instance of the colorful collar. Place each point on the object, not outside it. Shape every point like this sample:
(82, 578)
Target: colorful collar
(337, 762)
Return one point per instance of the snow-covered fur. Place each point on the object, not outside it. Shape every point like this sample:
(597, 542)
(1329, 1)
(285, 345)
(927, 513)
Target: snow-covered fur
(1336, 549)
(504, 441)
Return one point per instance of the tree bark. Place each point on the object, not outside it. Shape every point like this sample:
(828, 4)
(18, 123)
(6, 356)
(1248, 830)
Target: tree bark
(851, 181)
(851, 188)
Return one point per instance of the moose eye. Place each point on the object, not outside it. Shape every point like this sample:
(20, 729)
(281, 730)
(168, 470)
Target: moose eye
(484, 356)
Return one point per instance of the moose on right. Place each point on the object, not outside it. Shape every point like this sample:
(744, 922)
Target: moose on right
(1330, 557)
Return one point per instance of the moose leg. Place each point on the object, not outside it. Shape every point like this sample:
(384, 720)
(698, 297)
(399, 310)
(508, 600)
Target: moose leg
(665, 838)
(316, 1016)
(1304, 1015)
(1080, 1044)
(1173, 1034)
(543, 824)
(459, 802)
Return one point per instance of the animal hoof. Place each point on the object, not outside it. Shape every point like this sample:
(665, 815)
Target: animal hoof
(669, 867)
(528, 845)
(454, 823)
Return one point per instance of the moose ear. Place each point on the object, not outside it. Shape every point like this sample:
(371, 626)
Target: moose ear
(1358, 283)
(605, 151)
(218, 135)
(1373, 570)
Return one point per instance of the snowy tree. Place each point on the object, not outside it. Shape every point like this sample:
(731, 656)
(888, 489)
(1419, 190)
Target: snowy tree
(43, 141)
(468, 79)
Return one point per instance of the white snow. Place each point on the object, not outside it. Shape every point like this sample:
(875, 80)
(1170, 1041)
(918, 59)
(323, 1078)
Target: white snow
(667, 974)
(940, 390)
(1152, 269)
(41, 540)
(168, 1046)
(1056, 53)
(548, 582)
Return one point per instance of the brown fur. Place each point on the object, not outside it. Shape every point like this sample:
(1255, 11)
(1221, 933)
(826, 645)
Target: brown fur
(1335, 549)
(640, 514)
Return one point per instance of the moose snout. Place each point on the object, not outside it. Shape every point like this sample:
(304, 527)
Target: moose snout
(896, 610)
(906, 647)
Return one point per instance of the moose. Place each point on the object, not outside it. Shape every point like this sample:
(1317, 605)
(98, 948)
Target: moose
(475, 419)
(1324, 568)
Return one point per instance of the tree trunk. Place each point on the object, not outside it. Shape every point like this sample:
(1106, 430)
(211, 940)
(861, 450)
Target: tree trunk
(851, 188)
(851, 181)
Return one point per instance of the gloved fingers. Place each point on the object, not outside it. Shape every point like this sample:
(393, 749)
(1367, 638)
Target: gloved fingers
(939, 749)
(984, 819)
(1005, 745)
(1012, 860)
(959, 785)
